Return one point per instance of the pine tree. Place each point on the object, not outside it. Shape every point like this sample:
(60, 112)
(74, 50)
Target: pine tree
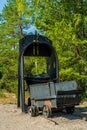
(11, 30)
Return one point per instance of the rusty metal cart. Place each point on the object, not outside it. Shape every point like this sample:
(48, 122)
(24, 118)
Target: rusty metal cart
(46, 92)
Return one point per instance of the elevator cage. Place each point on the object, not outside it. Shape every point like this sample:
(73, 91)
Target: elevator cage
(35, 45)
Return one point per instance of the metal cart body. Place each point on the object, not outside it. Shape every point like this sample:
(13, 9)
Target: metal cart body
(55, 95)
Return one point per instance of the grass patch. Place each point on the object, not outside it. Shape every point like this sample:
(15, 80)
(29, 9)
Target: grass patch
(6, 97)
(2, 93)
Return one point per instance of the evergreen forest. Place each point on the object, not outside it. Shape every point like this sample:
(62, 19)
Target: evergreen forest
(62, 21)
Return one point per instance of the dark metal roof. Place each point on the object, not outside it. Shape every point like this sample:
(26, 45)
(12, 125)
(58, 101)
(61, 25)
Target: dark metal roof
(41, 44)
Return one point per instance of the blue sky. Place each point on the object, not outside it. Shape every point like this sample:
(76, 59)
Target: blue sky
(2, 3)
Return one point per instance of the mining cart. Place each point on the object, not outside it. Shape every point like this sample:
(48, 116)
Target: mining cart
(47, 93)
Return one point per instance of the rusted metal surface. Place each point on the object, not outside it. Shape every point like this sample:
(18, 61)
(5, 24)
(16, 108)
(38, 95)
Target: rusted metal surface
(49, 103)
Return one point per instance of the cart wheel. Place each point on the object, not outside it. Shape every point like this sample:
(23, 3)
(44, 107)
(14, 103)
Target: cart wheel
(70, 110)
(33, 111)
(36, 111)
(29, 110)
(46, 111)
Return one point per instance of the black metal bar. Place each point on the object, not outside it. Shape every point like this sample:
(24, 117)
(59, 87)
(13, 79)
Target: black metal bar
(22, 84)
(18, 101)
(69, 92)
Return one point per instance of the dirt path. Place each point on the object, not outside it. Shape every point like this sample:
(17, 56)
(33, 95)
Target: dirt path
(12, 118)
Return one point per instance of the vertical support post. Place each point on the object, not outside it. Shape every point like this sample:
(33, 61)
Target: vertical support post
(18, 101)
(22, 95)
(53, 67)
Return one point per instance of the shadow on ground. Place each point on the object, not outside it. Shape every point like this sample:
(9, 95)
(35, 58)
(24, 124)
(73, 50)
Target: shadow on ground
(80, 113)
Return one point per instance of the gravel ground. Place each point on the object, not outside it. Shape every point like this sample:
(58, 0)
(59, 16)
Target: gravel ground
(12, 118)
